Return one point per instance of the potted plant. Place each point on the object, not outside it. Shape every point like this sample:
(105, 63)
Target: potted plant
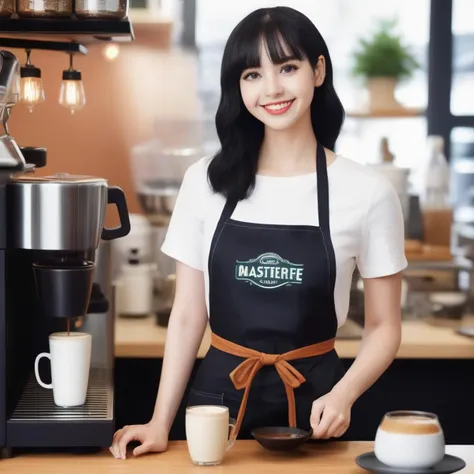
(383, 61)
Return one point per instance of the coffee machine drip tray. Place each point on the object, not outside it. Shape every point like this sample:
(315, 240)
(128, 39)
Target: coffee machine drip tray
(38, 422)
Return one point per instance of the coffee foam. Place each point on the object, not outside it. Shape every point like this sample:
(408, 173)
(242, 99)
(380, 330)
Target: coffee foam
(207, 410)
(65, 335)
(410, 424)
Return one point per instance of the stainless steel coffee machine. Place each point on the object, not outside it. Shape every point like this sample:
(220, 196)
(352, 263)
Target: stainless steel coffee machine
(50, 228)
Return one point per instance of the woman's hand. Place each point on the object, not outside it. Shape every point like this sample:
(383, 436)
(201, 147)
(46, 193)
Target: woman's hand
(330, 415)
(151, 437)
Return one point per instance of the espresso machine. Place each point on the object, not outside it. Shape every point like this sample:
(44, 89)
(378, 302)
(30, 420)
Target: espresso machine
(50, 228)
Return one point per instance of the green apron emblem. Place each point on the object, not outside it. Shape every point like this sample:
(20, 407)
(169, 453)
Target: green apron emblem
(269, 271)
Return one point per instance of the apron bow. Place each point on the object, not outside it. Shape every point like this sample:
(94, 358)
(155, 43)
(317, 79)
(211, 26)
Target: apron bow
(242, 376)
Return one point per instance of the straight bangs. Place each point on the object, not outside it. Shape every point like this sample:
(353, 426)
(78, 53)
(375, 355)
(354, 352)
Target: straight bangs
(280, 41)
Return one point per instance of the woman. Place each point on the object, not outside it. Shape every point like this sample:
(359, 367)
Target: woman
(266, 236)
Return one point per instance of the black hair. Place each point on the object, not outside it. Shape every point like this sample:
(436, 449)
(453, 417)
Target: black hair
(284, 31)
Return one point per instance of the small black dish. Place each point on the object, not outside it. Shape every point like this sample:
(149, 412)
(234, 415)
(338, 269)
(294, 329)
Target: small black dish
(280, 438)
(447, 465)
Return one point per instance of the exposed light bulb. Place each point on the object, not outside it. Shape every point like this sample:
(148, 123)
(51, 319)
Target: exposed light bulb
(111, 52)
(31, 86)
(72, 93)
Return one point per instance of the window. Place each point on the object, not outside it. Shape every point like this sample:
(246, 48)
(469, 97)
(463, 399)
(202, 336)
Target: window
(451, 74)
(462, 90)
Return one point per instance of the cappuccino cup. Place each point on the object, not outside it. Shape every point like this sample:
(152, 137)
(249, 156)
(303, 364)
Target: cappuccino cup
(70, 355)
(409, 440)
(209, 433)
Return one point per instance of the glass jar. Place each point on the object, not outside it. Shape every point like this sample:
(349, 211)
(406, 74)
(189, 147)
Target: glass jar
(101, 9)
(7, 7)
(44, 8)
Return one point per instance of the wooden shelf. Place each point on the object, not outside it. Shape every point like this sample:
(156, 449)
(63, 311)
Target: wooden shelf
(416, 251)
(67, 29)
(393, 113)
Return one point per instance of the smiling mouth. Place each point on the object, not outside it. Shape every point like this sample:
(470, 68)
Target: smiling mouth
(278, 108)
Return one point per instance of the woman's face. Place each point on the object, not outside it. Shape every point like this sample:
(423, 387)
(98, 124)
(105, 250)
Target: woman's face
(280, 95)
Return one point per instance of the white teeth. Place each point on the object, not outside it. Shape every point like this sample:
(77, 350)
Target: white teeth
(278, 106)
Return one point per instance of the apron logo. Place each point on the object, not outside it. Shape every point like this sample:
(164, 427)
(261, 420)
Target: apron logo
(269, 271)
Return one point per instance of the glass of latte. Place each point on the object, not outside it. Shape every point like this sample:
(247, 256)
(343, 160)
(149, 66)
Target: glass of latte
(409, 439)
(209, 433)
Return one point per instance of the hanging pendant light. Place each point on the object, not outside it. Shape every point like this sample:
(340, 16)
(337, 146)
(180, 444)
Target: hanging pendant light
(31, 85)
(72, 95)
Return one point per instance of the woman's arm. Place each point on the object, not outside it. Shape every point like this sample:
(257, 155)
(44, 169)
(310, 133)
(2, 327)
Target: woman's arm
(382, 335)
(379, 346)
(188, 321)
(186, 327)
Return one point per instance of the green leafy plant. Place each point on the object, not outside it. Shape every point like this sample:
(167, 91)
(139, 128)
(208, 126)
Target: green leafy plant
(384, 55)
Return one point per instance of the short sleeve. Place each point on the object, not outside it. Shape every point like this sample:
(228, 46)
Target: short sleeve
(184, 237)
(382, 246)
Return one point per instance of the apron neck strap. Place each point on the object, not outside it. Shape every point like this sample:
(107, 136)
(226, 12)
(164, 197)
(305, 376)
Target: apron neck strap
(323, 192)
(323, 188)
(229, 207)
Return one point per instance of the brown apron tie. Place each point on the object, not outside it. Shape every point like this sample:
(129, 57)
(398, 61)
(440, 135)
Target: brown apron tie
(243, 375)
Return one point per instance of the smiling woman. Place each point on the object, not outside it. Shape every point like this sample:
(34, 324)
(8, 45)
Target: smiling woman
(266, 235)
(277, 63)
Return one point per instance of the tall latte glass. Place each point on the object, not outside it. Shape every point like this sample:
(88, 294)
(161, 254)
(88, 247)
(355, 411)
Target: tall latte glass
(410, 440)
(209, 433)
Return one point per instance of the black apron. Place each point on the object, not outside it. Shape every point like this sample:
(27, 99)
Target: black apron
(272, 290)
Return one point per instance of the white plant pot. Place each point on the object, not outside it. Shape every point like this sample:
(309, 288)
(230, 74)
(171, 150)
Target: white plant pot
(382, 94)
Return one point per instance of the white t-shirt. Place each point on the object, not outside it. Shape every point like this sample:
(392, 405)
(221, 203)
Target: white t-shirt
(366, 221)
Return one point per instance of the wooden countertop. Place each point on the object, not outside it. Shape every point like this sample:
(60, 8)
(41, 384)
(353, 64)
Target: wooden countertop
(144, 338)
(244, 457)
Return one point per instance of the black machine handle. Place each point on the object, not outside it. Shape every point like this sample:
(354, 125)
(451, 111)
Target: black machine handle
(116, 196)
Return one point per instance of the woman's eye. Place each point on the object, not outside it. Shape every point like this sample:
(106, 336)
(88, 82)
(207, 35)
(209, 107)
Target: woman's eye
(288, 68)
(251, 76)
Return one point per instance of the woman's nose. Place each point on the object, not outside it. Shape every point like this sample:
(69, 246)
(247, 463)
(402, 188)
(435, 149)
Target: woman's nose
(272, 86)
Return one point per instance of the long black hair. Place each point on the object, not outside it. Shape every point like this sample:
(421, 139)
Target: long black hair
(283, 30)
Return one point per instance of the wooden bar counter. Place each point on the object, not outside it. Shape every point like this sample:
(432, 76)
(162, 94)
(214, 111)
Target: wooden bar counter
(245, 457)
(144, 338)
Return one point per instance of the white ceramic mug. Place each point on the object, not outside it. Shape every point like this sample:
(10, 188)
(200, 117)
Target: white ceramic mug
(70, 357)
(209, 433)
(410, 440)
